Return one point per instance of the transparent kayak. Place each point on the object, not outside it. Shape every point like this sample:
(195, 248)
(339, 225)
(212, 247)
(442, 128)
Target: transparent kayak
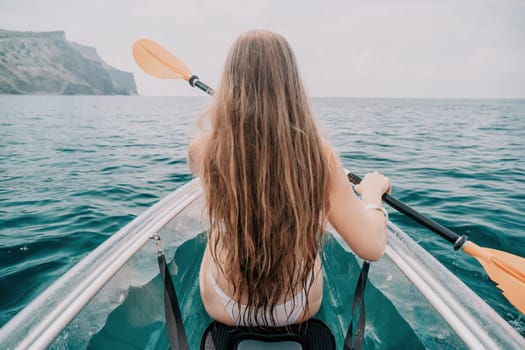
(113, 297)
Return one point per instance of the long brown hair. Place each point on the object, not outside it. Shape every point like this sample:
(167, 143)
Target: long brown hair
(265, 175)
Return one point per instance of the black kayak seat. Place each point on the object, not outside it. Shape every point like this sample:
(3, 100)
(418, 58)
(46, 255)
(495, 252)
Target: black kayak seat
(309, 335)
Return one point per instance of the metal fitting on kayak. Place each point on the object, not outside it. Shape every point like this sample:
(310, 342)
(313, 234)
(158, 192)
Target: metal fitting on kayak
(460, 242)
(158, 243)
(192, 80)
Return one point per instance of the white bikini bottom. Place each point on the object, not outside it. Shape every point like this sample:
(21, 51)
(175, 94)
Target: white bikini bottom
(283, 314)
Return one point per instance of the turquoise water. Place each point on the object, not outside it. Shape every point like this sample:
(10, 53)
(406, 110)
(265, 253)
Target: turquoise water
(73, 170)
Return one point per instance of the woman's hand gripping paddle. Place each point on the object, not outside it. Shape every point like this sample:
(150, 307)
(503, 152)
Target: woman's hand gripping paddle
(505, 269)
(160, 63)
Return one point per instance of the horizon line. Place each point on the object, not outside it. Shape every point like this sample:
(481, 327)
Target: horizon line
(334, 97)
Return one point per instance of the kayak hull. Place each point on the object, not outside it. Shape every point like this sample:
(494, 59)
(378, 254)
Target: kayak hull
(113, 296)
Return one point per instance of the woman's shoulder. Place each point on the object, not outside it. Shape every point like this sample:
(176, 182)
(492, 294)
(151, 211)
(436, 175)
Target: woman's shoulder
(196, 151)
(200, 139)
(331, 156)
(337, 175)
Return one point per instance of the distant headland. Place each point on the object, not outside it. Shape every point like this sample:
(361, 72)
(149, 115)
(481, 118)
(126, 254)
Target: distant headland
(48, 63)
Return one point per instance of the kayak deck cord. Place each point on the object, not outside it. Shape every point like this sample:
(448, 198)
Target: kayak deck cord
(358, 305)
(174, 324)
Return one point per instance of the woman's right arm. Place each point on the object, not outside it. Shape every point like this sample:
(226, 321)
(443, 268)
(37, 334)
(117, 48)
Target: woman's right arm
(364, 230)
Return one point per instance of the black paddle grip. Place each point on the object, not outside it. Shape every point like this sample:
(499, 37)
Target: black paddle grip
(195, 82)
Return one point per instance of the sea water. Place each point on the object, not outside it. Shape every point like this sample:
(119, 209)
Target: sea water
(74, 170)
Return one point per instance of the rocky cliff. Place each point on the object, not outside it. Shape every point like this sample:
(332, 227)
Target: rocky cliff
(47, 63)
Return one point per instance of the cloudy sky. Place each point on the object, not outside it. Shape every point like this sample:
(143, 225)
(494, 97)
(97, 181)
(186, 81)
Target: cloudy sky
(372, 48)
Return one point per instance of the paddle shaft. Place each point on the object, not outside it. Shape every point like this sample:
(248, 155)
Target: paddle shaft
(441, 230)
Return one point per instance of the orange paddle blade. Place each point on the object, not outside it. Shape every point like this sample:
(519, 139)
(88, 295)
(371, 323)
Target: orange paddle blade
(159, 62)
(507, 270)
